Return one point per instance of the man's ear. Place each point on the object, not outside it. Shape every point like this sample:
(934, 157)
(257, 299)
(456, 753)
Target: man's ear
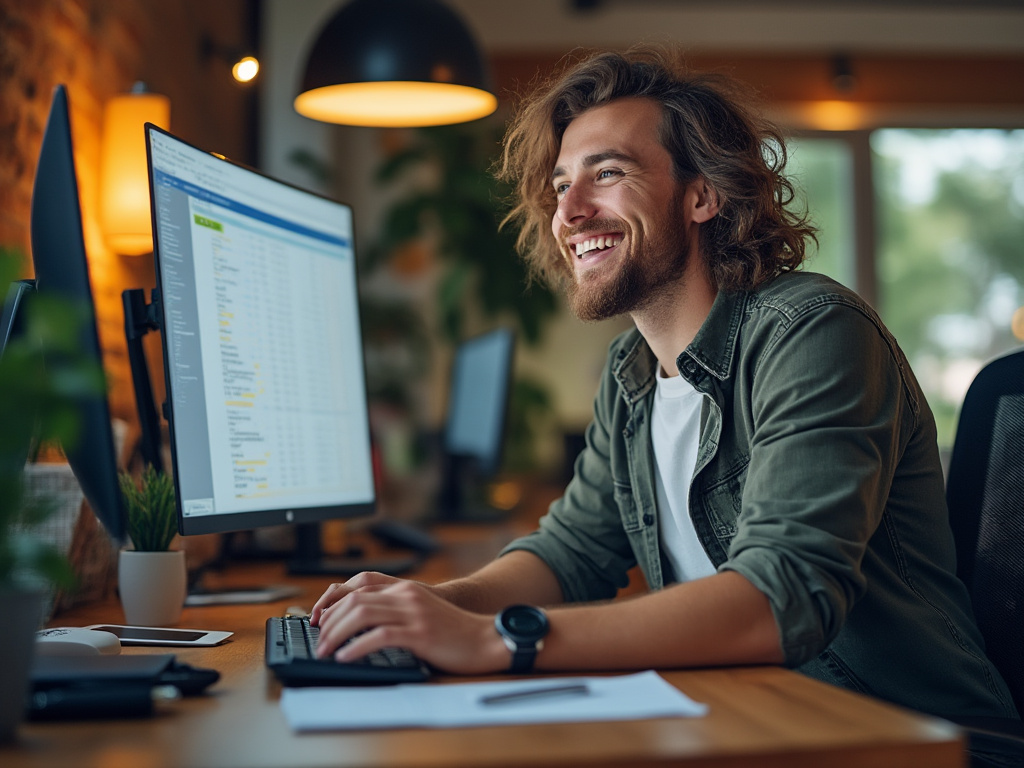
(705, 205)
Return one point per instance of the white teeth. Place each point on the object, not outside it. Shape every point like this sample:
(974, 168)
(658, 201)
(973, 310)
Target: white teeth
(596, 243)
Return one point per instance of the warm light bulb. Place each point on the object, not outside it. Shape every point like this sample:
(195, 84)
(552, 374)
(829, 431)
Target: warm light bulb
(395, 104)
(245, 69)
(835, 115)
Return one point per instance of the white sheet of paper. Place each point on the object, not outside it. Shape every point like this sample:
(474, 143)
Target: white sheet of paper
(454, 705)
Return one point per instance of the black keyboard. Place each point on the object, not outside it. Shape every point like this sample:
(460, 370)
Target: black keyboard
(291, 654)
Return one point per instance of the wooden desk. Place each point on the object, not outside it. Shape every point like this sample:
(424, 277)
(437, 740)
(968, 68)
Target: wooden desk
(762, 716)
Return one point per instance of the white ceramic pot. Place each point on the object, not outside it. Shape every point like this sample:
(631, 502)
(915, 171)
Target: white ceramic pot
(153, 587)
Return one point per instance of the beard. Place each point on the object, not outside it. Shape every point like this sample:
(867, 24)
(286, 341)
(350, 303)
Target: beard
(642, 274)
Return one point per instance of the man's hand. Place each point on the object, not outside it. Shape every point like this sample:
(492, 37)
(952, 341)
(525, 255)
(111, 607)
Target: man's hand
(406, 614)
(336, 591)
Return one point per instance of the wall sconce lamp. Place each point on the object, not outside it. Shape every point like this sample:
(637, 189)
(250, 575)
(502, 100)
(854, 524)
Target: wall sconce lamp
(124, 177)
(843, 78)
(395, 63)
(244, 66)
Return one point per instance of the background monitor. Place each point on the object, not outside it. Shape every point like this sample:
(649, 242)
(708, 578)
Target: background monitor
(474, 433)
(61, 269)
(263, 356)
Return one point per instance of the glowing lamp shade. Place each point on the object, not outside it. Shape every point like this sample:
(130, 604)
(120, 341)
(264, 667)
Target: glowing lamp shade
(124, 193)
(395, 63)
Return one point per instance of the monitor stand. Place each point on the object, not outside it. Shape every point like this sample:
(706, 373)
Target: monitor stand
(139, 319)
(309, 558)
(462, 497)
(306, 558)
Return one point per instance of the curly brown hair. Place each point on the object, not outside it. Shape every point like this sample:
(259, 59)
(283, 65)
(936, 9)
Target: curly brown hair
(706, 128)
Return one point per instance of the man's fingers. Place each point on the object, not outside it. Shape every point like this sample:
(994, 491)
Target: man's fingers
(331, 595)
(369, 612)
(370, 580)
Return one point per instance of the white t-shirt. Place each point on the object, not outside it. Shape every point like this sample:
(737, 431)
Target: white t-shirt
(675, 434)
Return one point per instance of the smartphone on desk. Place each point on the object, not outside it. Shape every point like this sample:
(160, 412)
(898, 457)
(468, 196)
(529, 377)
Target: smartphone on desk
(133, 635)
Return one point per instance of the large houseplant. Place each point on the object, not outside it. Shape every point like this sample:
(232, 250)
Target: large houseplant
(42, 374)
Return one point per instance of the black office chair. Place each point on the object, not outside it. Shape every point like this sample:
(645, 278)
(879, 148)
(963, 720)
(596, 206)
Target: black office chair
(985, 493)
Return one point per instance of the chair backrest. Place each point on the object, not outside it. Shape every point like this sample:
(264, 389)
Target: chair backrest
(985, 492)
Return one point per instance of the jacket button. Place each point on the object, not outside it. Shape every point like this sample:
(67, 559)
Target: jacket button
(648, 519)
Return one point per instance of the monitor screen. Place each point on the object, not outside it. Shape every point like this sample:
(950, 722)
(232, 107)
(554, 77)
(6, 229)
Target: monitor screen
(478, 399)
(58, 255)
(266, 392)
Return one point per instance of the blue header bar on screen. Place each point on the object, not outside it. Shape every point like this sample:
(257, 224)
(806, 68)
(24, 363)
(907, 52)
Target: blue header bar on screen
(209, 196)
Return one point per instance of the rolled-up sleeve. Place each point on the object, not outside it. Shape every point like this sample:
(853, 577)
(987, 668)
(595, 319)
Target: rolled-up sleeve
(829, 415)
(581, 538)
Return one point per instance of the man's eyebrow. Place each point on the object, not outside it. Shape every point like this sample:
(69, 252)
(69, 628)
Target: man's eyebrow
(594, 159)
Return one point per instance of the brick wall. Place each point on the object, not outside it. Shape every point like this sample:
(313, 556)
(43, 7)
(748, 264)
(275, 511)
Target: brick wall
(98, 48)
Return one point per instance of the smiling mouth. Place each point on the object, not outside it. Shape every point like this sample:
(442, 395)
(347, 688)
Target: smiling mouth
(594, 244)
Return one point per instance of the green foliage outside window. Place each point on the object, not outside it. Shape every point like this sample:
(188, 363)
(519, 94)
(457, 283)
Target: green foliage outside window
(950, 208)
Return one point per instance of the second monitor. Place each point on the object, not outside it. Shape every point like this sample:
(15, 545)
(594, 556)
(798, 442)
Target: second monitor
(473, 439)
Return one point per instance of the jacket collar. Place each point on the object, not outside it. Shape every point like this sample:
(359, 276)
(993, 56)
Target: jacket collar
(635, 365)
(714, 346)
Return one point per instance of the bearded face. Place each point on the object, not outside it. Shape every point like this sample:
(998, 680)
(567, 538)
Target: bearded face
(618, 219)
(645, 266)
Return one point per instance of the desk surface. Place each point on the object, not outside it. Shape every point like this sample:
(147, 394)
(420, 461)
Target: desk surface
(762, 716)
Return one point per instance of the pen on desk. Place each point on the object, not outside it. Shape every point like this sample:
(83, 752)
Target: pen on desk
(529, 694)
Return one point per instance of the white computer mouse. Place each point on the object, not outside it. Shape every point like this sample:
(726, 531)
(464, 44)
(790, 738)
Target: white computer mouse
(75, 641)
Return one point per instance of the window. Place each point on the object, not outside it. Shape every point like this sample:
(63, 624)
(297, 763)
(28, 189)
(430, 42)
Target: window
(822, 170)
(950, 250)
(945, 268)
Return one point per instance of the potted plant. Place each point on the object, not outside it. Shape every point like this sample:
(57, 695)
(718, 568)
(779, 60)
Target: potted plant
(42, 373)
(151, 577)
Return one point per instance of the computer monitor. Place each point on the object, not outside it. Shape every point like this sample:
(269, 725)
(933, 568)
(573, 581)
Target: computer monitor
(263, 355)
(61, 270)
(474, 434)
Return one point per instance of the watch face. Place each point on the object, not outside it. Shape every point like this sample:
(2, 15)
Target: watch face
(524, 622)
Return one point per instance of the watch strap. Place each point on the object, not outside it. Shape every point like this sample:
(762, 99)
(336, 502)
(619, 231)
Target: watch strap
(523, 655)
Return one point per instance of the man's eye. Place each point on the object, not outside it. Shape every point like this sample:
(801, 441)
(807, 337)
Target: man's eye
(607, 173)
(560, 189)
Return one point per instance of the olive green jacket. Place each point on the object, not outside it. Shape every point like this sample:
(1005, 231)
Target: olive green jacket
(817, 478)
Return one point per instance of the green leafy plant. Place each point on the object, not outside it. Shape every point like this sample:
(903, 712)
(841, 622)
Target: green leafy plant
(458, 205)
(464, 205)
(152, 519)
(43, 373)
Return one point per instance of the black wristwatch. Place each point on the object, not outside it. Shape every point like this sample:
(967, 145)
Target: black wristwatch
(523, 629)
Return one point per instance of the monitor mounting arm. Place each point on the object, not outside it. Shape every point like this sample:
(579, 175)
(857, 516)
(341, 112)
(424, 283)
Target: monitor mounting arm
(139, 319)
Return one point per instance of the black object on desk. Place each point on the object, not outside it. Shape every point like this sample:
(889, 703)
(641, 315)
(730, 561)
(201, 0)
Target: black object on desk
(92, 701)
(98, 687)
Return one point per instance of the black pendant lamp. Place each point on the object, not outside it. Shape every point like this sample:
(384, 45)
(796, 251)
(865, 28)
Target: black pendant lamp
(395, 63)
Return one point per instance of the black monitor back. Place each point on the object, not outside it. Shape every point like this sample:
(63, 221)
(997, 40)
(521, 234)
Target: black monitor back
(61, 268)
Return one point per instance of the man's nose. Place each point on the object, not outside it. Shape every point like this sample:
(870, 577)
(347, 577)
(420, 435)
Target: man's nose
(576, 205)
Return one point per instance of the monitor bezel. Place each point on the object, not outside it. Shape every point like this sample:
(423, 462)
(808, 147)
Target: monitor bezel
(244, 521)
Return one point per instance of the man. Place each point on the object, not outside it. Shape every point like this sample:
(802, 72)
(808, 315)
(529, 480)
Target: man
(759, 446)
